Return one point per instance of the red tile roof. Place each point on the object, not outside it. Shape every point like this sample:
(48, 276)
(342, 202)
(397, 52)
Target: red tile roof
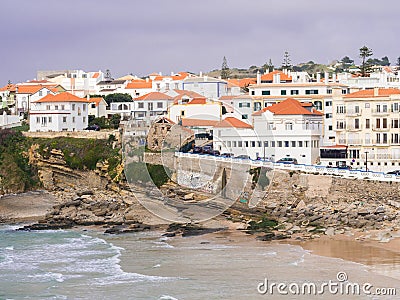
(370, 93)
(270, 76)
(243, 82)
(198, 122)
(200, 100)
(96, 100)
(8, 87)
(289, 106)
(182, 93)
(29, 89)
(139, 84)
(96, 75)
(62, 97)
(154, 96)
(232, 122)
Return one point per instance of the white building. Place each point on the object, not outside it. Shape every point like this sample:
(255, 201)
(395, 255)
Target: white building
(209, 87)
(367, 127)
(97, 107)
(61, 112)
(286, 129)
(195, 108)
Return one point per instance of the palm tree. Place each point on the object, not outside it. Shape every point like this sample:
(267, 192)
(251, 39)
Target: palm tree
(365, 66)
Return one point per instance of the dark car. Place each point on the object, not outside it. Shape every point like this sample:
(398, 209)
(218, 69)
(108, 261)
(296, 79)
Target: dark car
(207, 150)
(227, 155)
(93, 127)
(395, 172)
(215, 153)
(287, 160)
(243, 156)
(197, 149)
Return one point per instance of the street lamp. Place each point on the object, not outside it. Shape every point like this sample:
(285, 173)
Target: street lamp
(366, 161)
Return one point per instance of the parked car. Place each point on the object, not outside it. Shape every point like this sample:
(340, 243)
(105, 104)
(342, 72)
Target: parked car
(287, 160)
(243, 156)
(93, 127)
(395, 172)
(207, 150)
(197, 149)
(215, 153)
(227, 155)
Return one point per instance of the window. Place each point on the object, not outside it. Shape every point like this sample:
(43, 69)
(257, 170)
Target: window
(167, 86)
(44, 121)
(257, 106)
(289, 126)
(286, 144)
(330, 127)
(259, 144)
(294, 92)
(378, 108)
(265, 93)
(395, 107)
(150, 106)
(356, 109)
(253, 144)
(73, 106)
(384, 108)
(93, 105)
(62, 107)
(384, 123)
(378, 138)
(344, 92)
(378, 123)
(159, 105)
(47, 107)
(140, 105)
(240, 144)
(306, 144)
(395, 123)
(318, 105)
(329, 91)
(340, 109)
(311, 92)
(328, 103)
(79, 111)
(273, 144)
(245, 117)
(38, 120)
(265, 143)
(182, 113)
(84, 119)
(56, 107)
(367, 124)
(84, 107)
(64, 119)
(253, 93)
(283, 92)
(328, 116)
(293, 144)
(385, 138)
(50, 119)
(280, 144)
(40, 93)
(73, 119)
(228, 143)
(300, 143)
(366, 105)
(357, 123)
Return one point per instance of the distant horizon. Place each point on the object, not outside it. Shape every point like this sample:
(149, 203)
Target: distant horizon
(135, 37)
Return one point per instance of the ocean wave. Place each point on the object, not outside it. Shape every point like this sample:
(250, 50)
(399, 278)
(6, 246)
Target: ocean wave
(167, 297)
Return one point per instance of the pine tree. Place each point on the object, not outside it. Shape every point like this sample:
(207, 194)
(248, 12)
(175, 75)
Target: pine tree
(225, 72)
(287, 64)
(365, 65)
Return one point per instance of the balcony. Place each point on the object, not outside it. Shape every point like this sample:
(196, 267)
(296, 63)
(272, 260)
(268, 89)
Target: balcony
(380, 112)
(374, 128)
(353, 128)
(353, 113)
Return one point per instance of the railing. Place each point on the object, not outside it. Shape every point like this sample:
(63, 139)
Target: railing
(322, 170)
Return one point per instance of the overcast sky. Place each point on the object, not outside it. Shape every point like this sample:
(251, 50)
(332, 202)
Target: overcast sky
(140, 37)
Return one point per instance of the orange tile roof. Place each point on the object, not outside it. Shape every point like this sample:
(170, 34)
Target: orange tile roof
(154, 96)
(270, 76)
(370, 93)
(198, 122)
(232, 122)
(200, 100)
(8, 87)
(243, 82)
(289, 106)
(139, 85)
(96, 100)
(96, 75)
(182, 93)
(62, 97)
(29, 89)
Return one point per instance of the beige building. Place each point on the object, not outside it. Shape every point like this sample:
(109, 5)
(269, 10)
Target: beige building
(367, 125)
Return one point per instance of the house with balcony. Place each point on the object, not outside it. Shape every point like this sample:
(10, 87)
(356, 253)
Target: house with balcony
(285, 129)
(367, 123)
(59, 112)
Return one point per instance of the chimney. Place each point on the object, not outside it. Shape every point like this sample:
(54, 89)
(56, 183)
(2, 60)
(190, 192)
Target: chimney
(258, 77)
(206, 78)
(326, 77)
(334, 77)
(266, 71)
(172, 73)
(87, 97)
(276, 78)
(376, 92)
(201, 74)
(318, 77)
(147, 79)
